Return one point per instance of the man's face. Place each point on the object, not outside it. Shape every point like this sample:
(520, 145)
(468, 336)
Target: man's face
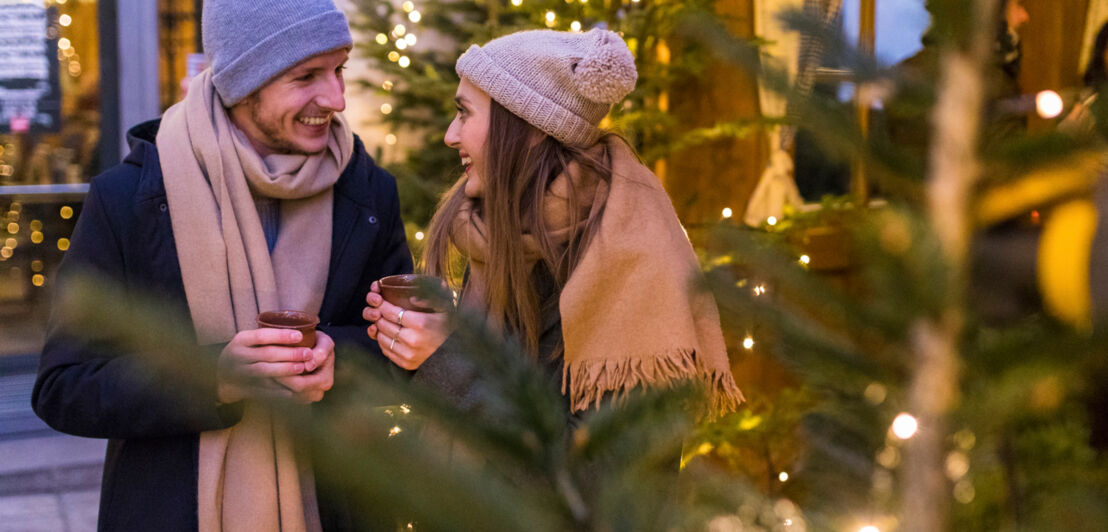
(293, 112)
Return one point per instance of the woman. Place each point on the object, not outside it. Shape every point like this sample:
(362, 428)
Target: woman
(572, 244)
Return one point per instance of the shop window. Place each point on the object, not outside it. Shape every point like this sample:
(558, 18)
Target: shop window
(50, 130)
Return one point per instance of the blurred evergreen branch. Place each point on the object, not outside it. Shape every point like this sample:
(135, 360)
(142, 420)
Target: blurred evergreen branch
(512, 464)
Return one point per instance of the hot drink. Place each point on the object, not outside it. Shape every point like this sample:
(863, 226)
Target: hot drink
(291, 319)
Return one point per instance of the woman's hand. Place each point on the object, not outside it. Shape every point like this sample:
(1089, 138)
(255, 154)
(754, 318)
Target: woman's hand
(407, 337)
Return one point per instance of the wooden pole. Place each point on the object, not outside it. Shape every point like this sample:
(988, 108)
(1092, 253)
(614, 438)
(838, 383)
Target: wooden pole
(954, 170)
(867, 44)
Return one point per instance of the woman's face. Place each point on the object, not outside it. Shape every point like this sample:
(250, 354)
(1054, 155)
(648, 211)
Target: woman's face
(468, 133)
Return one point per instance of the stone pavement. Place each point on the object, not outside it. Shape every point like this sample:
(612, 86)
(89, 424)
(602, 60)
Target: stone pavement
(48, 481)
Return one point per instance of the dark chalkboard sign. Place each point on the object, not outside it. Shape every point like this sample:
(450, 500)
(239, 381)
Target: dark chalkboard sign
(30, 95)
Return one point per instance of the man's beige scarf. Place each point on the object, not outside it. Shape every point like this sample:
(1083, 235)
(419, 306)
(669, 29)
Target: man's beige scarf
(631, 312)
(248, 476)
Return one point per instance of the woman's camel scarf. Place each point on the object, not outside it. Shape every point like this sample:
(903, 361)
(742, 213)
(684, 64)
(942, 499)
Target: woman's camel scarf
(632, 313)
(249, 477)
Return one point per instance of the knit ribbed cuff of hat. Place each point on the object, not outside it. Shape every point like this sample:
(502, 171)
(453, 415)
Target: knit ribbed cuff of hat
(553, 119)
(279, 52)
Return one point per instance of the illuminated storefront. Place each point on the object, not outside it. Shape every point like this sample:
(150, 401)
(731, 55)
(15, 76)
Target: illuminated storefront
(74, 75)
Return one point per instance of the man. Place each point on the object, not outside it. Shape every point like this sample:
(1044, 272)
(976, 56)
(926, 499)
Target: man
(252, 194)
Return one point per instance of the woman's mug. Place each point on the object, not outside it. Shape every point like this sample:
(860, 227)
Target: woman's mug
(420, 293)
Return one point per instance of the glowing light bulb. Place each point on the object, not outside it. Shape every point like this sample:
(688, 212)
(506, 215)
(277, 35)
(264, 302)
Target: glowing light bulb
(905, 426)
(386, 108)
(66, 212)
(408, 7)
(805, 260)
(550, 18)
(390, 139)
(414, 16)
(419, 235)
(783, 476)
(748, 343)
(727, 212)
(1048, 104)
(404, 62)
(382, 38)
(517, 3)
(65, 20)
(772, 220)
(395, 430)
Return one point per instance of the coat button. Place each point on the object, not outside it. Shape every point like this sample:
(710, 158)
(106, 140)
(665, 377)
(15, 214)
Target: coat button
(372, 219)
(163, 207)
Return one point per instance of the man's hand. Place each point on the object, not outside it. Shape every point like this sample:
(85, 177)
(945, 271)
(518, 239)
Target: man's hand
(251, 361)
(319, 372)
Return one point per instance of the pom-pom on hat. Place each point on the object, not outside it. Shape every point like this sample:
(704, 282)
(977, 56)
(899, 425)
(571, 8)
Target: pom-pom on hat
(249, 42)
(560, 82)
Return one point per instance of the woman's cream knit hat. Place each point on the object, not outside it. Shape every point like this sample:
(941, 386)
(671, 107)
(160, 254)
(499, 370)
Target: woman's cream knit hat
(560, 82)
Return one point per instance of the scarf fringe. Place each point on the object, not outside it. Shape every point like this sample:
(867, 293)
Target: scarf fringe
(588, 381)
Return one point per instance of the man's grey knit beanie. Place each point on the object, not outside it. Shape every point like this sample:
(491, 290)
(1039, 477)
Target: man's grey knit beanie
(249, 42)
(563, 83)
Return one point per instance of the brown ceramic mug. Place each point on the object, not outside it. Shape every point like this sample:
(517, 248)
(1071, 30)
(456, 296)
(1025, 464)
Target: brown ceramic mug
(304, 322)
(412, 291)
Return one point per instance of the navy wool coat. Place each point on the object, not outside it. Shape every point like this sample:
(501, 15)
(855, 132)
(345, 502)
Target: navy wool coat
(124, 232)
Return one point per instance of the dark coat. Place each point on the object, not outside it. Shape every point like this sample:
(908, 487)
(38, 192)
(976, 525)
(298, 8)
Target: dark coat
(124, 232)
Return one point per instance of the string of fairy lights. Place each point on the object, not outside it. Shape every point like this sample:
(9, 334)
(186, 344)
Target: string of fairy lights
(67, 51)
(30, 235)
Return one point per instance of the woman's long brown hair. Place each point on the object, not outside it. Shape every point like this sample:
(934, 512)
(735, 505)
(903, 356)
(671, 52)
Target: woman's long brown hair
(521, 164)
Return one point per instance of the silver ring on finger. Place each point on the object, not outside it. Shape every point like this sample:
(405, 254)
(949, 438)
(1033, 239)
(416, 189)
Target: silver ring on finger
(393, 342)
(400, 318)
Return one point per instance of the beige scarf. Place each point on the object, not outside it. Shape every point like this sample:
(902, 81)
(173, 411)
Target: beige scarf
(631, 313)
(248, 476)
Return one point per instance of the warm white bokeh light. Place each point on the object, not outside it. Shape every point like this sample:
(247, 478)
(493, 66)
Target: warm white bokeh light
(905, 426)
(1049, 104)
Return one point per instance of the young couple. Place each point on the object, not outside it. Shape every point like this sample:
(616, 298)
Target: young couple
(253, 194)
